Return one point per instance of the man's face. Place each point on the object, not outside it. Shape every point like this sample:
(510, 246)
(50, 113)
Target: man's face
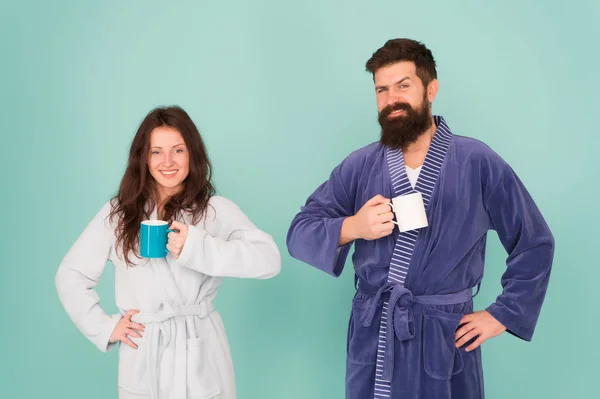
(403, 103)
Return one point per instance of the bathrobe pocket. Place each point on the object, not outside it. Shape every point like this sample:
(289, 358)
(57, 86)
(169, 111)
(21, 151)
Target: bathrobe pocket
(201, 380)
(133, 373)
(441, 359)
(362, 340)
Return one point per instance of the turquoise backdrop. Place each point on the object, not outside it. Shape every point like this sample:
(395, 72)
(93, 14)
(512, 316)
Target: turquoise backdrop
(279, 92)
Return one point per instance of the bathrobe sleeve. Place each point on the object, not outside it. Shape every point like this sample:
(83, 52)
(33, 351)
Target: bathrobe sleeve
(232, 247)
(77, 276)
(530, 247)
(314, 233)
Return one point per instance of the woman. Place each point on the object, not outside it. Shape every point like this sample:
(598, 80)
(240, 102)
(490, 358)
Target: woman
(172, 344)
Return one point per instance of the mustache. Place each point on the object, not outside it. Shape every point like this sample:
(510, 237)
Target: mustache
(395, 107)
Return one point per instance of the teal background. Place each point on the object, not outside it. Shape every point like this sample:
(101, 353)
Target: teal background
(279, 93)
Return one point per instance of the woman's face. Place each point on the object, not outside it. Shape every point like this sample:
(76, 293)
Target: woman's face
(168, 160)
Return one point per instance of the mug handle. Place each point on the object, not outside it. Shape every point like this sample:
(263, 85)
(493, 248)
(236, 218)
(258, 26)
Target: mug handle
(171, 231)
(392, 206)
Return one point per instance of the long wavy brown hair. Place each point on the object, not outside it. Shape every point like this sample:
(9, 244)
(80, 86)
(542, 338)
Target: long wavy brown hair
(138, 195)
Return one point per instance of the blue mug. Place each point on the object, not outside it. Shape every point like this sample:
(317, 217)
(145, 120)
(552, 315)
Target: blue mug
(153, 238)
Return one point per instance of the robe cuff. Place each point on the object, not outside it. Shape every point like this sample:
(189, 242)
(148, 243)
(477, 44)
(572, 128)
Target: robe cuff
(103, 339)
(508, 319)
(339, 253)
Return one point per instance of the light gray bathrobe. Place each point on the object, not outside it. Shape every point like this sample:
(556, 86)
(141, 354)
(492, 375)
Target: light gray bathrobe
(184, 352)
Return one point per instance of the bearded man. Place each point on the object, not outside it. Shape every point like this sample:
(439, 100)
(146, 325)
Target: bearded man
(417, 206)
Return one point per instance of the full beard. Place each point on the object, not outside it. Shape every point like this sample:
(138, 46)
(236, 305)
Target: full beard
(401, 131)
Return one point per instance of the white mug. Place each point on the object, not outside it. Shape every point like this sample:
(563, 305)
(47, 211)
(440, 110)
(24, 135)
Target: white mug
(410, 211)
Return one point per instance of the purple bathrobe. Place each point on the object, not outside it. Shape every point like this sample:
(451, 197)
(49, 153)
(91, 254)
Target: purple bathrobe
(414, 287)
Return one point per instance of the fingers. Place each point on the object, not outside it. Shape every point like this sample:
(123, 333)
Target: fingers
(137, 326)
(175, 225)
(125, 327)
(375, 218)
(176, 241)
(132, 333)
(467, 318)
(383, 218)
(175, 238)
(476, 344)
(388, 228)
(463, 330)
(129, 342)
(377, 200)
(467, 337)
(381, 226)
(130, 313)
(379, 214)
(382, 230)
(174, 249)
(132, 324)
(382, 209)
